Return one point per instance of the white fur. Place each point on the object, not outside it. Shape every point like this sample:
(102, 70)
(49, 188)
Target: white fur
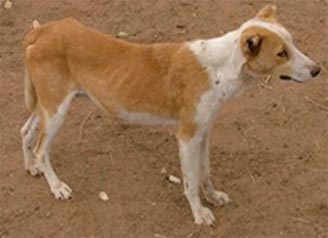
(223, 60)
(213, 196)
(190, 156)
(57, 187)
(29, 136)
(196, 173)
(145, 118)
(276, 28)
(301, 66)
(54, 123)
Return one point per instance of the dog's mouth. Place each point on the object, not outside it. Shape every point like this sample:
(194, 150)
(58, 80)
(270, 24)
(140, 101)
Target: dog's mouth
(288, 78)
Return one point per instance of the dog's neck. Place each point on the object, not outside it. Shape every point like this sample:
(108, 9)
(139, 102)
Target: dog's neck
(223, 60)
(221, 56)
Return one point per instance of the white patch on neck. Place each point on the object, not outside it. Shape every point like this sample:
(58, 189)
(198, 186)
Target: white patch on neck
(223, 60)
(219, 53)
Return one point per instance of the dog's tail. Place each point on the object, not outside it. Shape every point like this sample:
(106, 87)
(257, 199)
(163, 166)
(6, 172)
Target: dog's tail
(30, 94)
(29, 90)
(36, 24)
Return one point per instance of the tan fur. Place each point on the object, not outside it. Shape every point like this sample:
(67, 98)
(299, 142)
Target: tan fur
(268, 13)
(30, 95)
(266, 59)
(161, 79)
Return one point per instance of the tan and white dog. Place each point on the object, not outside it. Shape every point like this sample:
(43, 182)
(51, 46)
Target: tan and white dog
(169, 83)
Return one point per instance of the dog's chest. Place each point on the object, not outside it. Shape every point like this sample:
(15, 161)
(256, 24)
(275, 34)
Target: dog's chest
(225, 88)
(222, 89)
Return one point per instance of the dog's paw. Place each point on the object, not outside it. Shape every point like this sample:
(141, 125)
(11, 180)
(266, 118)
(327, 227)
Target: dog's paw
(217, 198)
(61, 191)
(204, 216)
(33, 170)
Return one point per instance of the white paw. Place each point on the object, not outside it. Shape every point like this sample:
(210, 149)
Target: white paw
(33, 170)
(204, 216)
(217, 198)
(61, 191)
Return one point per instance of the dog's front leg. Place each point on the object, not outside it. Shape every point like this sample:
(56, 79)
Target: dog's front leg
(190, 156)
(212, 196)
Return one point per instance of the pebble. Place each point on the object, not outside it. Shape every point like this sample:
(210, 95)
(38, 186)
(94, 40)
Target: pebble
(122, 34)
(159, 235)
(103, 196)
(8, 4)
(163, 170)
(174, 179)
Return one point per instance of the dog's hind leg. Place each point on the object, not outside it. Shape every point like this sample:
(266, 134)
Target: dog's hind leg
(212, 196)
(29, 134)
(50, 122)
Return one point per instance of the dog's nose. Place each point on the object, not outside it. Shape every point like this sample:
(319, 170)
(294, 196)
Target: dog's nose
(315, 71)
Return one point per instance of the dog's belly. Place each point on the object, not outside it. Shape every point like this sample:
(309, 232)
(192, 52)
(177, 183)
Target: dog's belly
(144, 118)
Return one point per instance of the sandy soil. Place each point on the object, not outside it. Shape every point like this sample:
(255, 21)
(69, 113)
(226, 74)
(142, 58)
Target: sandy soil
(269, 147)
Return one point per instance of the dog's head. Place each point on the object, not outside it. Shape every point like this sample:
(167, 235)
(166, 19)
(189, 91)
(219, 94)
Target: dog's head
(269, 49)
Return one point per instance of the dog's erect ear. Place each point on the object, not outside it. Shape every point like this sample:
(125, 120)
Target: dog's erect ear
(251, 44)
(268, 12)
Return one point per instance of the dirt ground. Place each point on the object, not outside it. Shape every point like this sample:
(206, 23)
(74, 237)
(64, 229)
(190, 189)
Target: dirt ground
(269, 147)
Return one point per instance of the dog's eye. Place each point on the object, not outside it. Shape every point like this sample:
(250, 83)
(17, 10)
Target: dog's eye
(283, 54)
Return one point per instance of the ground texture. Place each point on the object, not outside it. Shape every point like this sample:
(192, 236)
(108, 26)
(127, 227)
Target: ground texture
(269, 147)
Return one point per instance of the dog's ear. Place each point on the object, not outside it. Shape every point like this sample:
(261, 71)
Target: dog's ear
(268, 12)
(251, 44)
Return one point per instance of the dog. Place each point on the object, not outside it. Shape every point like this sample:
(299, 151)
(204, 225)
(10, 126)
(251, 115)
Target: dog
(182, 84)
